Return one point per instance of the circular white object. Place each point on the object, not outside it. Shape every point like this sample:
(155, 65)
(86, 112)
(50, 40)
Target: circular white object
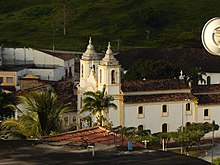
(211, 36)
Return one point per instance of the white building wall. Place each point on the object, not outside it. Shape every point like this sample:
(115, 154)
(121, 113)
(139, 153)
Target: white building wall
(48, 74)
(214, 113)
(215, 78)
(30, 56)
(154, 118)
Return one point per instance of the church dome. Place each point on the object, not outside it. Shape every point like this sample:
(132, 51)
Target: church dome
(90, 53)
(109, 58)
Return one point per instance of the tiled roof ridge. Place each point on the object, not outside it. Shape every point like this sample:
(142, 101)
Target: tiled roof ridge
(75, 131)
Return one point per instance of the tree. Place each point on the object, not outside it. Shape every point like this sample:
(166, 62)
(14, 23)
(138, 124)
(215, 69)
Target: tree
(5, 99)
(194, 76)
(192, 133)
(152, 70)
(98, 103)
(42, 115)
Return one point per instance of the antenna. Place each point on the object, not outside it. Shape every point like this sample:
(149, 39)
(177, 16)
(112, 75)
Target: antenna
(211, 36)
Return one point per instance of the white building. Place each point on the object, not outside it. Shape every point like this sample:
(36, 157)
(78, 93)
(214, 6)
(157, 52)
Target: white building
(17, 62)
(159, 105)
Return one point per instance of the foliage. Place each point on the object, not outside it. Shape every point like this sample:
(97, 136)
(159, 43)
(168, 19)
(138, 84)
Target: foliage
(193, 133)
(194, 76)
(98, 103)
(5, 99)
(151, 70)
(216, 161)
(176, 25)
(40, 116)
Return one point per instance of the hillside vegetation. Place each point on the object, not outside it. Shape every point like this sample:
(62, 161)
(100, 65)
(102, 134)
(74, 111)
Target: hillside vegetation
(136, 23)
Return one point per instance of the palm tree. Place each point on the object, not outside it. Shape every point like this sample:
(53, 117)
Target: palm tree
(98, 103)
(195, 76)
(42, 114)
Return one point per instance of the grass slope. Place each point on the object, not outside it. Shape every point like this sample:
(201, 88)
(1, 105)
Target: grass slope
(142, 23)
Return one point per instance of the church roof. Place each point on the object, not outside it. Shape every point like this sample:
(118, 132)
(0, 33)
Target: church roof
(90, 53)
(153, 85)
(208, 99)
(212, 88)
(109, 58)
(158, 98)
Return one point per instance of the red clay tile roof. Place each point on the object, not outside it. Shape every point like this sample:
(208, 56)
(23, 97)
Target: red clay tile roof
(208, 99)
(153, 85)
(158, 98)
(90, 135)
(212, 88)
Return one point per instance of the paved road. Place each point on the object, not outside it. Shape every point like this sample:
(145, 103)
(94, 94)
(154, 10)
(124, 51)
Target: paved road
(208, 156)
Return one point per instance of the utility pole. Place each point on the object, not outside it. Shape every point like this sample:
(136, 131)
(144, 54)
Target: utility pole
(213, 129)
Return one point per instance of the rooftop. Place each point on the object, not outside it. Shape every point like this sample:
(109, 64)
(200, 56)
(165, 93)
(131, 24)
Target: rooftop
(96, 134)
(158, 98)
(212, 88)
(208, 99)
(153, 85)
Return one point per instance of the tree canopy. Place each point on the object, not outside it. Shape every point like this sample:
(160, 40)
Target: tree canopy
(41, 116)
(98, 103)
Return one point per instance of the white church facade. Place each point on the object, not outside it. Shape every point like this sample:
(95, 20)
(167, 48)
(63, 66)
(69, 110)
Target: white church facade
(157, 105)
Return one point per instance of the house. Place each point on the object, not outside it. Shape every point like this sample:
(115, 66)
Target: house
(158, 105)
(16, 63)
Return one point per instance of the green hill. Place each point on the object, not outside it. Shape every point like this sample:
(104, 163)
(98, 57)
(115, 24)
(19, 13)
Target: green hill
(136, 23)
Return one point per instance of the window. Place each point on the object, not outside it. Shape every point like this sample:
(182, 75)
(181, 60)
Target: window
(206, 112)
(164, 108)
(93, 67)
(81, 101)
(188, 124)
(188, 107)
(140, 112)
(100, 76)
(164, 127)
(1, 80)
(208, 80)
(82, 70)
(113, 76)
(140, 128)
(66, 121)
(9, 80)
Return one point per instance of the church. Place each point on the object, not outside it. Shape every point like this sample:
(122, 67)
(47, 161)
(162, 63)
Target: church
(158, 105)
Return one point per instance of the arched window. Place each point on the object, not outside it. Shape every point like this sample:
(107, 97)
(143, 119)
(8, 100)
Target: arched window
(208, 80)
(81, 102)
(188, 107)
(100, 75)
(82, 70)
(164, 108)
(140, 128)
(206, 112)
(188, 124)
(140, 110)
(113, 76)
(164, 127)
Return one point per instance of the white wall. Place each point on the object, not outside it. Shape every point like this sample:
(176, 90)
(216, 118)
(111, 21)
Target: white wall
(214, 111)
(30, 56)
(215, 78)
(153, 118)
(48, 74)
